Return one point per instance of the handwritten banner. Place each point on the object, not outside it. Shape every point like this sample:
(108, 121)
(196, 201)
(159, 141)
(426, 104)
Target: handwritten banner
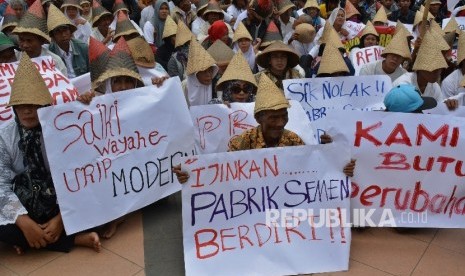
(115, 155)
(82, 83)
(321, 96)
(460, 21)
(385, 35)
(216, 124)
(360, 57)
(278, 211)
(409, 169)
(60, 87)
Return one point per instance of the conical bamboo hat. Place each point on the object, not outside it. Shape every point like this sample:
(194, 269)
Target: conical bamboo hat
(241, 32)
(119, 5)
(56, 18)
(269, 96)
(461, 48)
(381, 16)
(419, 16)
(71, 3)
(183, 34)
(28, 85)
(311, 4)
(198, 59)
(170, 27)
(141, 52)
(369, 29)
(9, 18)
(221, 53)
(238, 69)
(284, 5)
(452, 26)
(350, 10)
(331, 37)
(263, 58)
(332, 61)
(441, 43)
(398, 46)
(401, 28)
(123, 26)
(98, 12)
(272, 34)
(429, 56)
(34, 21)
(98, 59)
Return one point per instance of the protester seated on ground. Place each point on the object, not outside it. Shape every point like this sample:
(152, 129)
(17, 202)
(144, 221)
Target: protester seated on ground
(198, 23)
(352, 14)
(32, 34)
(389, 6)
(312, 9)
(237, 7)
(451, 86)
(124, 28)
(272, 116)
(7, 49)
(217, 31)
(284, 17)
(30, 215)
(201, 69)
(183, 12)
(242, 42)
(279, 61)
(147, 12)
(237, 84)
(73, 52)
(404, 14)
(394, 55)
(72, 9)
(153, 28)
(169, 41)
(86, 10)
(222, 55)
(332, 64)
(120, 7)
(406, 98)
(214, 25)
(380, 18)
(101, 20)
(369, 37)
(10, 20)
(178, 61)
(257, 18)
(302, 39)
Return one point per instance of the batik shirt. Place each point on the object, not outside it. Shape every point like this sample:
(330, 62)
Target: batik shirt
(253, 139)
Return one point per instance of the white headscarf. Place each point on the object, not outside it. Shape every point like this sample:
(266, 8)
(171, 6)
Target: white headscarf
(249, 55)
(84, 31)
(197, 93)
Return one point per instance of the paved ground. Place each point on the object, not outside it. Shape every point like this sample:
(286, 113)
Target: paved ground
(374, 252)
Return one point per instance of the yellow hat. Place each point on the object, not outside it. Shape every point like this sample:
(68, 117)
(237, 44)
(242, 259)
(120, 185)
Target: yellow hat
(429, 56)
(241, 32)
(28, 85)
(183, 34)
(381, 16)
(332, 61)
(141, 52)
(56, 18)
(452, 26)
(330, 36)
(220, 52)
(263, 58)
(269, 96)
(398, 46)
(461, 48)
(350, 10)
(306, 32)
(284, 5)
(170, 27)
(34, 21)
(311, 4)
(238, 69)
(198, 59)
(369, 29)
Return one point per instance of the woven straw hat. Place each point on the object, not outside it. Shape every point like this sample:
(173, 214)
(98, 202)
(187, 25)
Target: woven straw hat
(369, 29)
(450, 38)
(201, 6)
(98, 59)
(120, 63)
(28, 85)
(220, 52)
(441, 43)
(311, 4)
(269, 96)
(350, 10)
(461, 48)
(198, 59)
(381, 16)
(71, 3)
(284, 5)
(435, 27)
(170, 27)
(85, 1)
(183, 34)
(98, 12)
(419, 17)
(263, 58)
(213, 7)
(435, 2)
(401, 28)
(118, 6)
(272, 34)
(241, 32)
(429, 56)
(331, 37)
(332, 61)
(141, 52)
(56, 18)
(124, 26)
(238, 69)
(9, 18)
(306, 32)
(34, 21)
(452, 26)
(398, 46)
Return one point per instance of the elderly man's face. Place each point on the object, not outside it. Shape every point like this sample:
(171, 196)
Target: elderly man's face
(31, 44)
(272, 123)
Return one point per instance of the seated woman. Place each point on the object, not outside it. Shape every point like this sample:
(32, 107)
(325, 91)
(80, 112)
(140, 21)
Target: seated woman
(313, 9)
(242, 42)
(30, 215)
(178, 60)
(72, 8)
(369, 37)
(153, 29)
(332, 64)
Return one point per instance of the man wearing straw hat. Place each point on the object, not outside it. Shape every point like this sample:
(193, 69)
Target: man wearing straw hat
(451, 86)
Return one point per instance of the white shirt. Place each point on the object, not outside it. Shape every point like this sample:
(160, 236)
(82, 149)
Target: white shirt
(233, 11)
(68, 57)
(197, 25)
(287, 28)
(146, 15)
(376, 68)
(148, 32)
(450, 86)
(240, 17)
(431, 90)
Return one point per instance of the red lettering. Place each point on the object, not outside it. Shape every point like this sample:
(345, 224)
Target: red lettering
(223, 236)
(393, 161)
(209, 243)
(361, 132)
(369, 192)
(402, 140)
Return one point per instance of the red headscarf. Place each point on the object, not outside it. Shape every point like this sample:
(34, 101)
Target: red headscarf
(217, 30)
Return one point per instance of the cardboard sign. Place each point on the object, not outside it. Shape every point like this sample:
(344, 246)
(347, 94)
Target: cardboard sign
(216, 124)
(255, 212)
(360, 57)
(116, 155)
(410, 170)
(60, 87)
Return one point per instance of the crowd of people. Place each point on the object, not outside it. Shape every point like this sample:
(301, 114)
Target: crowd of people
(223, 52)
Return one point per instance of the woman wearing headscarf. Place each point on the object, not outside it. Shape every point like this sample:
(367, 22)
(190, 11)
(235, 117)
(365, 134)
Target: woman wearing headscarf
(242, 42)
(71, 9)
(218, 30)
(153, 29)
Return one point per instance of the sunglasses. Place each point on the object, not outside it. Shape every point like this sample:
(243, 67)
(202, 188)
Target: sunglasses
(236, 89)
